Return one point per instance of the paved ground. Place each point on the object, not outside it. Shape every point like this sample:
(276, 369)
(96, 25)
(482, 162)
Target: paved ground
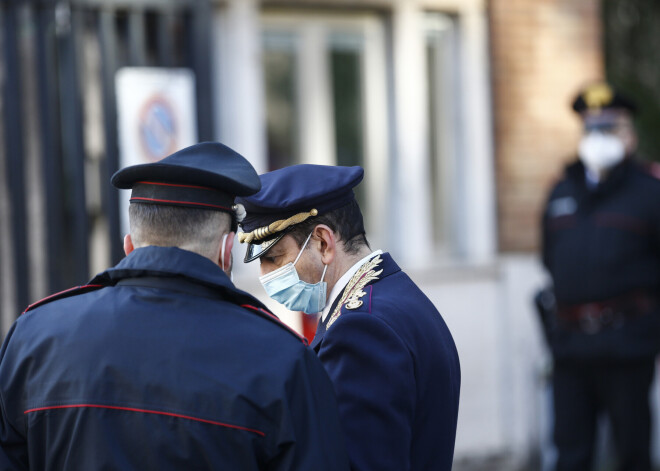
(491, 463)
(504, 463)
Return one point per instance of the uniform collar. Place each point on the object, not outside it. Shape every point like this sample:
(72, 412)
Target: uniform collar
(388, 266)
(155, 261)
(343, 281)
(576, 173)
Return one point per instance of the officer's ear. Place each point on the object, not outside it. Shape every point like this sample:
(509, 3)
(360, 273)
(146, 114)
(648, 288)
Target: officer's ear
(224, 256)
(128, 244)
(327, 243)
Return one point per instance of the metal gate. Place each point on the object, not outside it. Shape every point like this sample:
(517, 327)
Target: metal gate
(58, 142)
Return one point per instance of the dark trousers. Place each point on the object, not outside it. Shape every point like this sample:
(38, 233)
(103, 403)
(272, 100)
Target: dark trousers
(582, 391)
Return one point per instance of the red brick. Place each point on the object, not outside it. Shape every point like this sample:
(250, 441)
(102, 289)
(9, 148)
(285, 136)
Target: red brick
(542, 52)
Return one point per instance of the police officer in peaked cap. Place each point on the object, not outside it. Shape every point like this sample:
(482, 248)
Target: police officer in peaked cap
(601, 246)
(388, 351)
(161, 362)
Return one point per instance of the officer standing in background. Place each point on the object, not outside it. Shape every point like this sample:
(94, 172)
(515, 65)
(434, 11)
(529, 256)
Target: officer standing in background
(160, 363)
(388, 351)
(601, 246)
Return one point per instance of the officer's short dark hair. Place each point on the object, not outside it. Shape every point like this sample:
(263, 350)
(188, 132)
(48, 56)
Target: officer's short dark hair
(175, 226)
(346, 222)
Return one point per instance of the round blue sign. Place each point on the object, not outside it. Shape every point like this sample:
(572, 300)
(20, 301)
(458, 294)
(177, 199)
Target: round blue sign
(157, 128)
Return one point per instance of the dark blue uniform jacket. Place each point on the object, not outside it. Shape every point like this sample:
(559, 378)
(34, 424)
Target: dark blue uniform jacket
(163, 364)
(602, 243)
(395, 370)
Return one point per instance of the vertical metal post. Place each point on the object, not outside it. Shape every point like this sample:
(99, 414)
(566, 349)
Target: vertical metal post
(108, 40)
(15, 151)
(72, 141)
(165, 43)
(4, 296)
(199, 51)
(137, 49)
(51, 156)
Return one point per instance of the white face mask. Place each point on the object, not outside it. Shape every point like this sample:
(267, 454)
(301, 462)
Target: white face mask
(600, 151)
(222, 258)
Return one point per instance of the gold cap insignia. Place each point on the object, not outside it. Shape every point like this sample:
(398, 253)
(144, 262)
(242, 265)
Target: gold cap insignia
(274, 227)
(598, 96)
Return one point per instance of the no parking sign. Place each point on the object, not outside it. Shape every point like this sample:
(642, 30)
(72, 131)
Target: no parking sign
(156, 116)
(158, 128)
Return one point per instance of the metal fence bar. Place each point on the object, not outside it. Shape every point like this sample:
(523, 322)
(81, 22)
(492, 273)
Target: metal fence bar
(5, 294)
(165, 43)
(108, 40)
(137, 49)
(128, 4)
(51, 156)
(199, 51)
(61, 122)
(72, 143)
(15, 151)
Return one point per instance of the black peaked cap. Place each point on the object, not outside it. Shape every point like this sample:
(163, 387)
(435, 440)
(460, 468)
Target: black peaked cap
(208, 164)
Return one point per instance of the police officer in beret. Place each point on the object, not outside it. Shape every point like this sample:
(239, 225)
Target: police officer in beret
(388, 351)
(601, 246)
(160, 363)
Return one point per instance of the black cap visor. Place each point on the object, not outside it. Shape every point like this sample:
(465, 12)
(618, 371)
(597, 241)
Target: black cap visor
(259, 248)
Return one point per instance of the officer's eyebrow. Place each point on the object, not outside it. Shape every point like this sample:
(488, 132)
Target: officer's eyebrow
(276, 250)
(266, 258)
(272, 254)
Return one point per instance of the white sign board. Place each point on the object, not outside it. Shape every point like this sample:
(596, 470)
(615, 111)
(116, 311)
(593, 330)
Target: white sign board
(156, 116)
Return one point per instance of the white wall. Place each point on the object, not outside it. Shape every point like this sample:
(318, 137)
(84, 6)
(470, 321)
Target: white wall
(488, 309)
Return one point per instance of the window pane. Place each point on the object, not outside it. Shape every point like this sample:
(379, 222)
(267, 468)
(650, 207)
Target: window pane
(442, 154)
(347, 100)
(280, 65)
(439, 216)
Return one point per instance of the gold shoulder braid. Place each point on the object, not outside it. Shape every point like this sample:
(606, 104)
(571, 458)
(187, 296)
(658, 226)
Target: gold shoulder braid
(353, 291)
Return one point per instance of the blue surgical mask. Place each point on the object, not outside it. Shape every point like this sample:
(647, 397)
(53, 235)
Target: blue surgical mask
(284, 286)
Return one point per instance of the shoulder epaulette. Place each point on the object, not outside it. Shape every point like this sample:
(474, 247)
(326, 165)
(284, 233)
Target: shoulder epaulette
(63, 294)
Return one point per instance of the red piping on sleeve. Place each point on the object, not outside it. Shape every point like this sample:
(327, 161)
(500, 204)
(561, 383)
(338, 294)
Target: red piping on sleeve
(48, 298)
(370, 291)
(147, 411)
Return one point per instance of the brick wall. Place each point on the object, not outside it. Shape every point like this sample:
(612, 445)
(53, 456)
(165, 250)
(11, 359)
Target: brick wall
(542, 52)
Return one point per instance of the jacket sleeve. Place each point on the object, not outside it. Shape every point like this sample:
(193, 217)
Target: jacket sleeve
(311, 436)
(13, 446)
(373, 375)
(545, 234)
